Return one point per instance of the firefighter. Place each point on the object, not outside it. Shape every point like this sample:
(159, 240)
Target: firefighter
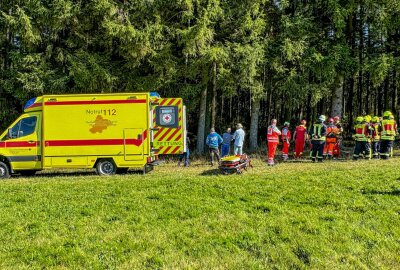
(273, 134)
(331, 138)
(368, 148)
(361, 135)
(300, 136)
(376, 136)
(286, 137)
(318, 137)
(391, 117)
(387, 135)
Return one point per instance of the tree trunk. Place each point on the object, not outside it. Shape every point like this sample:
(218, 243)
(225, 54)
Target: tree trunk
(394, 93)
(379, 92)
(386, 94)
(202, 121)
(337, 101)
(367, 93)
(309, 109)
(361, 60)
(214, 96)
(350, 102)
(253, 136)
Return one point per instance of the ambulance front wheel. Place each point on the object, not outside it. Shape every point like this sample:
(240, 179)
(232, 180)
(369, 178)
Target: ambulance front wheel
(4, 171)
(106, 167)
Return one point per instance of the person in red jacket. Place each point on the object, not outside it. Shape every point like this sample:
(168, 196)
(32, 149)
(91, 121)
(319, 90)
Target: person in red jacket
(286, 136)
(336, 148)
(273, 141)
(300, 136)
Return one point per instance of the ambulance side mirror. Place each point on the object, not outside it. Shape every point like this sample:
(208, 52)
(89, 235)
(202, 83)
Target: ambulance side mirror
(9, 133)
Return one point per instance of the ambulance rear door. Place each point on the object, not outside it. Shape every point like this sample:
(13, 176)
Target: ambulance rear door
(169, 126)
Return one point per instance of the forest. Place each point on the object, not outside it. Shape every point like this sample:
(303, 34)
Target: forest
(232, 61)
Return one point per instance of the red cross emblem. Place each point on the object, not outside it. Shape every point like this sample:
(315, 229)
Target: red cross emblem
(167, 118)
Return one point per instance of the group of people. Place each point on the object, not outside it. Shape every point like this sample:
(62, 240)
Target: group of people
(373, 137)
(214, 140)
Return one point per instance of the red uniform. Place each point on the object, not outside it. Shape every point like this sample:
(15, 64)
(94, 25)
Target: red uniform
(273, 141)
(336, 147)
(301, 134)
(331, 140)
(286, 136)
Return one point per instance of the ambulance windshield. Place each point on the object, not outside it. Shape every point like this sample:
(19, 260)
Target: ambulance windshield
(24, 127)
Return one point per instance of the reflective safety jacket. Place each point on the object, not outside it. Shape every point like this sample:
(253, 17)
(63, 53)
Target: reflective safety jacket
(286, 135)
(273, 134)
(388, 129)
(318, 132)
(362, 133)
(376, 132)
(332, 132)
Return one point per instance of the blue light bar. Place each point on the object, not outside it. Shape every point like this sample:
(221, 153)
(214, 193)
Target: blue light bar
(30, 103)
(155, 95)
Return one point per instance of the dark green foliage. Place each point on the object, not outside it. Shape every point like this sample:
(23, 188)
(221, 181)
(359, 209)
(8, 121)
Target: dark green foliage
(288, 55)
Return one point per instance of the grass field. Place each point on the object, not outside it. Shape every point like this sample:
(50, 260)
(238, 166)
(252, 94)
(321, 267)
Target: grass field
(292, 216)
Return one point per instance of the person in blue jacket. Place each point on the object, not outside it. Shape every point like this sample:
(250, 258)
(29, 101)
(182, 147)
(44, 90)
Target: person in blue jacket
(226, 144)
(213, 141)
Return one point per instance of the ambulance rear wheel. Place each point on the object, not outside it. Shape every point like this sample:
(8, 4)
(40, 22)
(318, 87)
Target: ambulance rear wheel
(106, 167)
(4, 171)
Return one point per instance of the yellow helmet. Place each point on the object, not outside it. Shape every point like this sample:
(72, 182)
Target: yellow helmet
(387, 114)
(367, 118)
(375, 119)
(359, 119)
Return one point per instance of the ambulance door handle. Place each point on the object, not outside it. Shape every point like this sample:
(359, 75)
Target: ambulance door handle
(139, 137)
(31, 142)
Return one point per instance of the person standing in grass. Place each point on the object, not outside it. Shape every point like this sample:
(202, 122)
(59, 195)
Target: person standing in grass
(213, 141)
(318, 137)
(389, 131)
(362, 135)
(376, 136)
(300, 136)
(286, 136)
(273, 141)
(331, 138)
(238, 136)
(185, 155)
(226, 143)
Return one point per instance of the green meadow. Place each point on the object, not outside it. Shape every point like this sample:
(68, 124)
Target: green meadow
(335, 215)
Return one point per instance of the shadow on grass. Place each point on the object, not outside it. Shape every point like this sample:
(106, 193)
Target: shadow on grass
(395, 192)
(51, 174)
(213, 171)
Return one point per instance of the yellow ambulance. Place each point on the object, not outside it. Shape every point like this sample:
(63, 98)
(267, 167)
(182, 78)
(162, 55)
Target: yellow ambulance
(108, 132)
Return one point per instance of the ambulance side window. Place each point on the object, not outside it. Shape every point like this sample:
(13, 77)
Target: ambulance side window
(24, 127)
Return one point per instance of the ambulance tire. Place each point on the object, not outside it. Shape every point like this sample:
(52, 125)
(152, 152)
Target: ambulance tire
(106, 167)
(4, 171)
